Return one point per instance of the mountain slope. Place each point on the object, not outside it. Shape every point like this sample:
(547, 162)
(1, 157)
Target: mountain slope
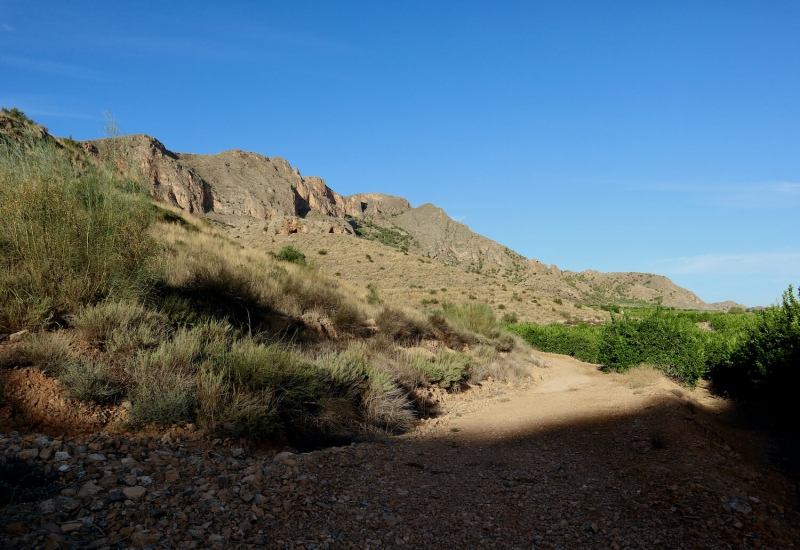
(265, 200)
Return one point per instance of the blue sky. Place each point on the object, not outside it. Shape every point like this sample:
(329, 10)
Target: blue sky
(619, 136)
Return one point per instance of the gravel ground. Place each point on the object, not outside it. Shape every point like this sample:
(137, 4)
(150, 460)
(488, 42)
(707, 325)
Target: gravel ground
(665, 475)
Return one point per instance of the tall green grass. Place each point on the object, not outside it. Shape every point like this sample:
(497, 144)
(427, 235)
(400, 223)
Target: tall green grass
(70, 234)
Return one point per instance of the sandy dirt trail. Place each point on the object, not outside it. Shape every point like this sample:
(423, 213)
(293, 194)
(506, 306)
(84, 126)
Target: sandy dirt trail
(572, 392)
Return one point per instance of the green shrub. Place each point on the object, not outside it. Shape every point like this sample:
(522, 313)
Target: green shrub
(765, 366)
(558, 301)
(291, 254)
(661, 338)
(580, 341)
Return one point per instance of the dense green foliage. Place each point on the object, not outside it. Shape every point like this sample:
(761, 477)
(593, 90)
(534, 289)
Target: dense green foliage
(671, 340)
(752, 356)
(580, 341)
(665, 339)
(765, 366)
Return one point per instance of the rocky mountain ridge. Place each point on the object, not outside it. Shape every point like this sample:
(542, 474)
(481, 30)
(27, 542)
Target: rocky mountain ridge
(239, 189)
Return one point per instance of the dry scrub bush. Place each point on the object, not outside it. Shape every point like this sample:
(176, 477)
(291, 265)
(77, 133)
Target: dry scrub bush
(165, 377)
(479, 319)
(92, 380)
(641, 376)
(509, 367)
(253, 388)
(401, 326)
(49, 351)
(385, 406)
(120, 326)
(399, 366)
(447, 369)
(348, 318)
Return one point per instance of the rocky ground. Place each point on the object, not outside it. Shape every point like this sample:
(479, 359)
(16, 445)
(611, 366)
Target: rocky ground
(577, 459)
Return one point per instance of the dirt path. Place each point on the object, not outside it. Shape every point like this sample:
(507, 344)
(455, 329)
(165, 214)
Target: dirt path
(572, 392)
(578, 459)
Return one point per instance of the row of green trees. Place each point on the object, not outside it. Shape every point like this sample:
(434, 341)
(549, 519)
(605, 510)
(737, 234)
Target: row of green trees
(754, 357)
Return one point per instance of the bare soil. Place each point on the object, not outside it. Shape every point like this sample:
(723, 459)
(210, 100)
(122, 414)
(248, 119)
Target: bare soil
(573, 458)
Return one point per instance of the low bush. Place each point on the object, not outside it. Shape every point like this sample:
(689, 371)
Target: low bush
(120, 326)
(162, 396)
(400, 326)
(580, 341)
(49, 351)
(348, 318)
(764, 366)
(291, 254)
(509, 318)
(92, 380)
(668, 341)
(447, 369)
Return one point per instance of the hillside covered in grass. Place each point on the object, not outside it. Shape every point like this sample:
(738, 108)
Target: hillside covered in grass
(135, 304)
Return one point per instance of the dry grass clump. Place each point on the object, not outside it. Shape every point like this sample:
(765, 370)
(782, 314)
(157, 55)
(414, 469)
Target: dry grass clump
(90, 379)
(446, 369)
(639, 377)
(479, 319)
(382, 403)
(348, 318)
(49, 351)
(505, 367)
(120, 326)
(401, 326)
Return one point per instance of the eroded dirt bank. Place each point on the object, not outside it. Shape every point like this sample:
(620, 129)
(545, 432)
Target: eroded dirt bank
(577, 459)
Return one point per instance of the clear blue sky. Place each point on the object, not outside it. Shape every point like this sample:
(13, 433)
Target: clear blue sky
(620, 136)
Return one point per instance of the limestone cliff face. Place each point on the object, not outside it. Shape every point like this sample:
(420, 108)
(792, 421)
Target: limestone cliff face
(232, 183)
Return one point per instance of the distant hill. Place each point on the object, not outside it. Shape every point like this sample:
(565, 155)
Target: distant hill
(268, 202)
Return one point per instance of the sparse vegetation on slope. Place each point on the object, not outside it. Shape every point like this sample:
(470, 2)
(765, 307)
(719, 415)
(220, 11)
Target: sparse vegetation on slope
(135, 302)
